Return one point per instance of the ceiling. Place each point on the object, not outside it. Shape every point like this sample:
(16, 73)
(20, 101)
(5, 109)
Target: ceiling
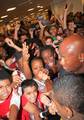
(21, 7)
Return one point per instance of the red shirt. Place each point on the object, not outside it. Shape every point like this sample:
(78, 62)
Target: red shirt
(24, 114)
(4, 107)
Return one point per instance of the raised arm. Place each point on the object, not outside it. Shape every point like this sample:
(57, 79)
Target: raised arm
(65, 13)
(11, 44)
(31, 108)
(25, 62)
(17, 27)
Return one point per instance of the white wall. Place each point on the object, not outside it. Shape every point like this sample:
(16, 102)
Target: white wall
(58, 6)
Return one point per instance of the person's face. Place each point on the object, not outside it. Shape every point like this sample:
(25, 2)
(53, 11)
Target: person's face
(2, 53)
(60, 31)
(48, 57)
(53, 31)
(5, 89)
(23, 38)
(48, 41)
(70, 62)
(37, 66)
(71, 26)
(30, 93)
(1, 41)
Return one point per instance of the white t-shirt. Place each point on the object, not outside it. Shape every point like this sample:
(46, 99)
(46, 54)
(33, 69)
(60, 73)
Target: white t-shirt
(15, 99)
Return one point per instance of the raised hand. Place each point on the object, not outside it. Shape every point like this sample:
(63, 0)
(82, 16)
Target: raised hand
(16, 80)
(41, 25)
(67, 5)
(43, 74)
(9, 42)
(25, 53)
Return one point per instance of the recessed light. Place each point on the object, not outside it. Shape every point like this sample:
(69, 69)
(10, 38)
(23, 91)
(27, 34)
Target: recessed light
(30, 9)
(4, 16)
(41, 6)
(38, 6)
(11, 9)
(40, 10)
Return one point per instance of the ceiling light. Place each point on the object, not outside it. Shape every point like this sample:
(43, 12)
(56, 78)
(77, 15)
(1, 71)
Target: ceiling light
(30, 9)
(16, 18)
(46, 10)
(11, 9)
(38, 6)
(4, 16)
(32, 14)
(40, 10)
(41, 6)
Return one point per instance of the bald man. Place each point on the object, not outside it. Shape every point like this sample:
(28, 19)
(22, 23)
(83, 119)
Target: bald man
(72, 54)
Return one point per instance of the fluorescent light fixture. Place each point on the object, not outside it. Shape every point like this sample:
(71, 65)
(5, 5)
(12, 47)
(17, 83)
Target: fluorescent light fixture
(4, 16)
(40, 10)
(41, 6)
(46, 10)
(11, 9)
(30, 9)
(32, 14)
(16, 18)
(38, 6)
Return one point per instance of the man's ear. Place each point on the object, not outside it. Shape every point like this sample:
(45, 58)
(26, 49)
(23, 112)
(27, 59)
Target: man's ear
(67, 112)
(81, 57)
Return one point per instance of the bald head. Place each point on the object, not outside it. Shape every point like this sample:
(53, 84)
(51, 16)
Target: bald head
(73, 44)
(70, 51)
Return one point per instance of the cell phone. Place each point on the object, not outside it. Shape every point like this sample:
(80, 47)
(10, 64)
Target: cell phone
(45, 22)
(40, 18)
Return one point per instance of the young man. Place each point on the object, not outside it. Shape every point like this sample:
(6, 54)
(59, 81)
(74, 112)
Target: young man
(68, 97)
(9, 101)
(72, 54)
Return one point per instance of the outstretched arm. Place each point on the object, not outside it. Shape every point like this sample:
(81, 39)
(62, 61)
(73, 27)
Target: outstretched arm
(31, 108)
(11, 44)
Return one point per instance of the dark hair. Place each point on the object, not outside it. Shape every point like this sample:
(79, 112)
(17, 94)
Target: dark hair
(70, 92)
(48, 47)
(4, 75)
(34, 59)
(48, 37)
(54, 25)
(28, 83)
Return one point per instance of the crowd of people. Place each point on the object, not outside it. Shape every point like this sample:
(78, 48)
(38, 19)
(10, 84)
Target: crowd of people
(42, 69)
